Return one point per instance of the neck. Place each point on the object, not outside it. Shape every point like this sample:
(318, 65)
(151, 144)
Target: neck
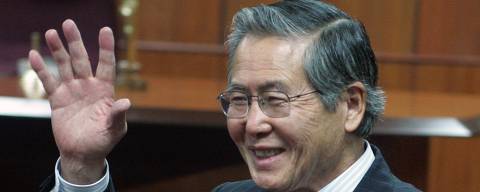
(353, 149)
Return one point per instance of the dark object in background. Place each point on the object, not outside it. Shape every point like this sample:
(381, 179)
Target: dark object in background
(19, 18)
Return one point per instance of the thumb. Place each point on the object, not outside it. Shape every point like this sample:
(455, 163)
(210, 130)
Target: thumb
(119, 114)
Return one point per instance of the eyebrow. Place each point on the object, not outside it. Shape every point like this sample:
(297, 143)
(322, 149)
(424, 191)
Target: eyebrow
(268, 85)
(236, 87)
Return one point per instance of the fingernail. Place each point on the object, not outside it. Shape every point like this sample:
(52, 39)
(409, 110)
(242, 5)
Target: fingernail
(107, 29)
(50, 32)
(31, 53)
(68, 22)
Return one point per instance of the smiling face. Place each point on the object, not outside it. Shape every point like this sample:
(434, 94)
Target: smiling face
(305, 149)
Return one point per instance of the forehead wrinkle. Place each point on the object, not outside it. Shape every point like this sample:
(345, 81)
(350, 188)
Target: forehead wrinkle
(250, 47)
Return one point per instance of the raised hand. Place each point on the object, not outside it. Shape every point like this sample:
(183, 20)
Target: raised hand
(86, 120)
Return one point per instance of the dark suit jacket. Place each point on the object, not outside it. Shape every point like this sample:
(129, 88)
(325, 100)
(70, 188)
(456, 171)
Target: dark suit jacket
(378, 178)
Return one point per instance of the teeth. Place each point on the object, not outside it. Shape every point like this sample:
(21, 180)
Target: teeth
(266, 153)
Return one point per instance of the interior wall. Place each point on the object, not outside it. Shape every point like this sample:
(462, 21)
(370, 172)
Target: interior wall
(421, 45)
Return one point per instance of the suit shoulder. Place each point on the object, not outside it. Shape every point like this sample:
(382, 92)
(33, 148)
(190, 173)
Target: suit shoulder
(238, 186)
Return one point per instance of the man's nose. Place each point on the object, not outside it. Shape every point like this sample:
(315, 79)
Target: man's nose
(257, 122)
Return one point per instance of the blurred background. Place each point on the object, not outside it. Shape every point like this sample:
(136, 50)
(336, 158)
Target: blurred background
(172, 65)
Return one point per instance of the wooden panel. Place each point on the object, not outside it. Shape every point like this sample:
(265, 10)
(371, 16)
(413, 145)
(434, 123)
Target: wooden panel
(448, 78)
(454, 165)
(390, 24)
(10, 87)
(176, 93)
(396, 76)
(449, 27)
(180, 20)
(399, 104)
(428, 104)
(432, 78)
(461, 79)
(431, 104)
(474, 85)
(426, 59)
(189, 65)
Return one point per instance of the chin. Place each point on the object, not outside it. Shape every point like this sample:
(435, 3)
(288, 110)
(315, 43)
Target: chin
(278, 178)
(271, 182)
(279, 186)
(279, 182)
(267, 184)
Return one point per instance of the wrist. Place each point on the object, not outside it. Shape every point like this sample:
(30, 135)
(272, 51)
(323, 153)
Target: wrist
(82, 171)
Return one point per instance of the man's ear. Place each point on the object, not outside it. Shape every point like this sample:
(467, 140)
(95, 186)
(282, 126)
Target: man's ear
(356, 104)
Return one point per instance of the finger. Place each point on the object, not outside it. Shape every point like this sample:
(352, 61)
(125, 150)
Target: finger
(78, 53)
(38, 65)
(106, 60)
(119, 111)
(59, 54)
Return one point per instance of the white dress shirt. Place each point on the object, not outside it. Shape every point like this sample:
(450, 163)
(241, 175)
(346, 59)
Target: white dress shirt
(345, 182)
(61, 185)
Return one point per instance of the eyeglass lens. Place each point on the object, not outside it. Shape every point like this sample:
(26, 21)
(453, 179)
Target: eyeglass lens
(235, 104)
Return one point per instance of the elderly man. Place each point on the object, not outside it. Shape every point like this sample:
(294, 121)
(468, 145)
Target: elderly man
(302, 95)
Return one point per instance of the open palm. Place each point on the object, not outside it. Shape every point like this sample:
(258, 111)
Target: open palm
(87, 122)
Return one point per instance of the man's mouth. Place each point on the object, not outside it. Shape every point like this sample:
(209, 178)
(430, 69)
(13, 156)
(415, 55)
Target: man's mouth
(266, 157)
(266, 153)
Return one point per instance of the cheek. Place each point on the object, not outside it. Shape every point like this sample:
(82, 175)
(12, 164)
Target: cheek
(313, 130)
(306, 124)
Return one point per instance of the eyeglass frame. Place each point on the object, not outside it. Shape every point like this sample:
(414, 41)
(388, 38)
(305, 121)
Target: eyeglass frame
(260, 100)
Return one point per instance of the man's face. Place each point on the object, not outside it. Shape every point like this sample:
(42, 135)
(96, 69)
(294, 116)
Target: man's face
(299, 150)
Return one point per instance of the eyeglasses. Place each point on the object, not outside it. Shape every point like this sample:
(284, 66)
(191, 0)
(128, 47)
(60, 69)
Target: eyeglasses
(275, 104)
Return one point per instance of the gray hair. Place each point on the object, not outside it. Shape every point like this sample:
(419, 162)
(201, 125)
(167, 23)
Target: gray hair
(339, 55)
